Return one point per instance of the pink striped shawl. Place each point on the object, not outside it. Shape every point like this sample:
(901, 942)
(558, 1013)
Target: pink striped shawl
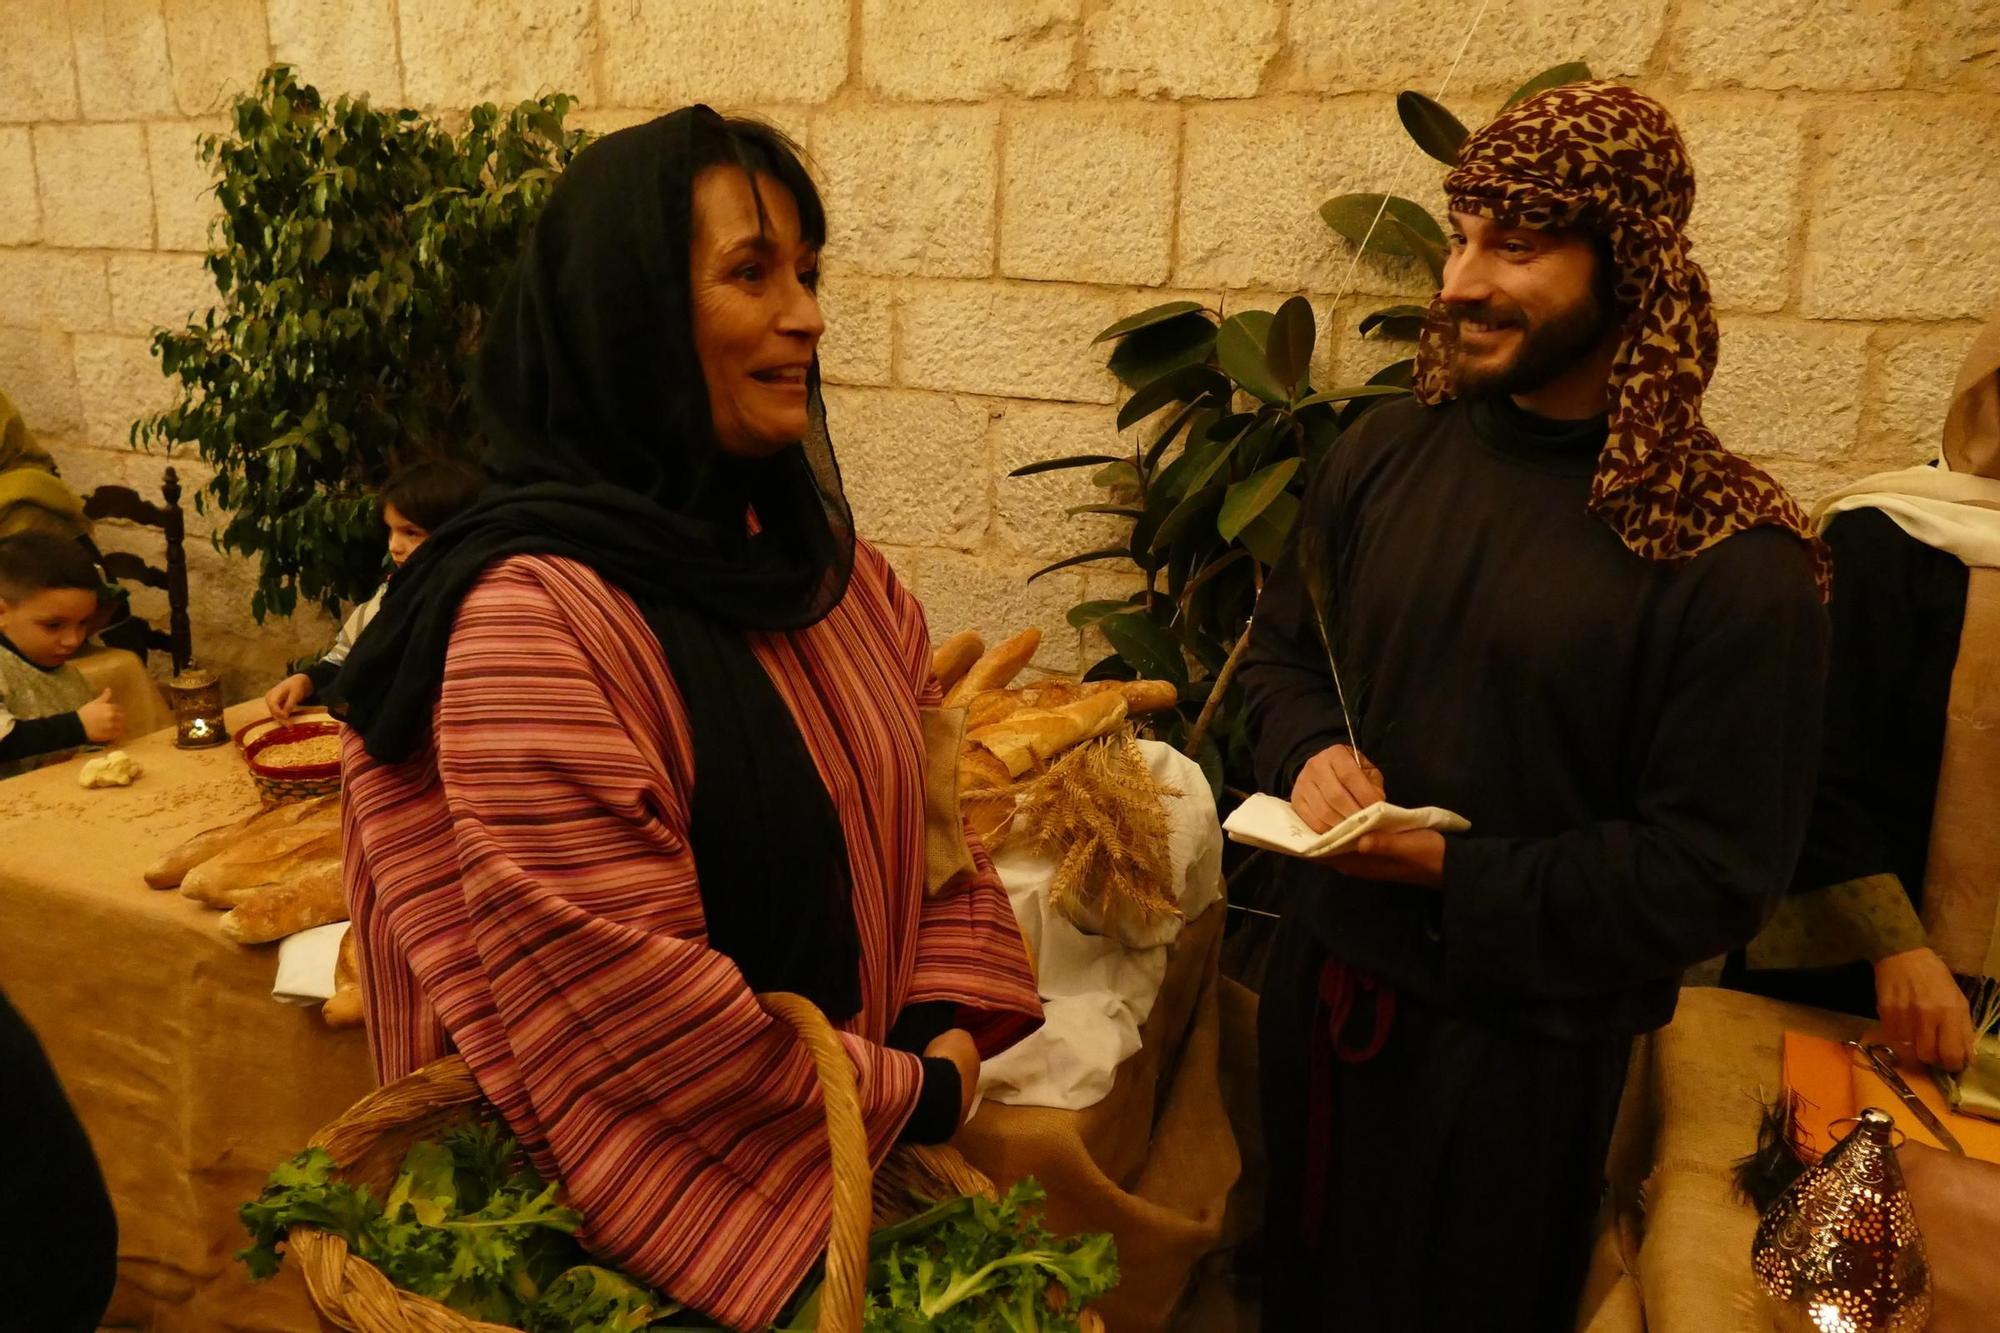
(525, 896)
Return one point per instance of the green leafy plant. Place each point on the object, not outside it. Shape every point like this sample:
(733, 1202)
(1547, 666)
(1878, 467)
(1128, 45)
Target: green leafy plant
(1211, 491)
(357, 251)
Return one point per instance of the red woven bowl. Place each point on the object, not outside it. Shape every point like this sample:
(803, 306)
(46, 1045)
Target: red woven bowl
(299, 781)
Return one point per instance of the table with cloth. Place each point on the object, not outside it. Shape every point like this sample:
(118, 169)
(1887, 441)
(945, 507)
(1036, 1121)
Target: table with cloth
(1681, 1228)
(191, 1081)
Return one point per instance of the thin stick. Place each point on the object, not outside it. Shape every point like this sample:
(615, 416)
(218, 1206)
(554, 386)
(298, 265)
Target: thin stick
(1200, 733)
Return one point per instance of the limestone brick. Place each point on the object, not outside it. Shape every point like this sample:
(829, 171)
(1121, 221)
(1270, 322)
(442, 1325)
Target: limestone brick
(218, 47)
(340, 46)
(459, 53)
(1341, 46)
(183, 185)
(860, 314)
(1181, 48)
(96, 188)
(667, 52)
(1960, 46)
(967, 50)
(86, 467)
(37, 373)
(37, 64)
(993, 596)
(794, 121)
(1747, 165)
(20, 209)
(914, 464)
(152, 291)
(1031, 510)
(909, 191)
(119, 382)
(1901, 216)
(1786, 390)
(1253, 180)
(1353, 358)
(1030, 341)
(1088, 194)
(1903, 420)
(1792, 43)
(54, 289)
(121, 58)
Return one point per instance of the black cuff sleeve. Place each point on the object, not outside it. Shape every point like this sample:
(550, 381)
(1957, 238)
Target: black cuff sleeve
(39, 735)
(936, 1118)
(321, 674)
(921, 1024)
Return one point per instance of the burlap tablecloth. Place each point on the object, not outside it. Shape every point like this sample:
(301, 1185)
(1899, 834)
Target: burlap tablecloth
(190, 1079)
(1153, 1163)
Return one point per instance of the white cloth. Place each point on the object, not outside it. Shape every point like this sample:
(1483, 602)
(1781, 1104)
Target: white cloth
(306, 962)
(1267, 822)
(1955, 512)
(1095, 991)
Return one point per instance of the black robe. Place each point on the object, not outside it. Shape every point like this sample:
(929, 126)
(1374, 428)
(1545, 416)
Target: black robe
(1634, 745)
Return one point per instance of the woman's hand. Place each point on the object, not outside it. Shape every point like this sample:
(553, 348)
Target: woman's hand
(956, 1046)
(288, 694)
(1924, 1013)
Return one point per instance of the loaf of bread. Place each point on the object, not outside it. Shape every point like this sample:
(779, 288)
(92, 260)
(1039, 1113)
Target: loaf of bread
(979, 769)
(170, 869)
(996, 669)
(310, 897)
(273, 858)
(1027, 740)
(343, 1009)
(995, 706)
(955, 656)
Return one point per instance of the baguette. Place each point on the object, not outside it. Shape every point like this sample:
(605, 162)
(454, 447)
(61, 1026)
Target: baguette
(1149, 696)
(980, 769)
(170, 869)
(995, 706)
(344, 1009)
(311, 896)
(1028, 740)
(998, 667)
(955, 656)
(226, 880)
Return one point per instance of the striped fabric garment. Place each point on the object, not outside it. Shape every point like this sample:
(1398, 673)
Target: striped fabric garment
(525, 895)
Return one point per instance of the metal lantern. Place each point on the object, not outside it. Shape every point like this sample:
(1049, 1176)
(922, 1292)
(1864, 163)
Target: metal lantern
(1839, 1250)
(196, 695)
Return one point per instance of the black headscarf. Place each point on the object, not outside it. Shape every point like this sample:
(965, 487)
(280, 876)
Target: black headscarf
(602, 450)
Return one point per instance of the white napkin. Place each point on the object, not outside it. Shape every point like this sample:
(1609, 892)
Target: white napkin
(305, 965)
(1267, 822)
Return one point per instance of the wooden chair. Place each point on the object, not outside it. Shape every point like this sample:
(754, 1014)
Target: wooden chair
(136, 634)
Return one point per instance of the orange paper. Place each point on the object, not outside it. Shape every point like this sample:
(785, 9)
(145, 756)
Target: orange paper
(1832, 1082)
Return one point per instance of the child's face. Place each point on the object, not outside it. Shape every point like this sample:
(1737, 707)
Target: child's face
(404, 536)
(49, 626)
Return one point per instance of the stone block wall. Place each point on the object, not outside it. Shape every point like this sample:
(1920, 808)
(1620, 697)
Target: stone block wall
(1006, 177)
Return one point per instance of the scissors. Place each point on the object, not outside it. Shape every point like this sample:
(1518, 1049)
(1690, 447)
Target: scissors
(1882, 1059)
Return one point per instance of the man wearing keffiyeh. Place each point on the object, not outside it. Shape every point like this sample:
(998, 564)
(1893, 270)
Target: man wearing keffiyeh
(1563, 610)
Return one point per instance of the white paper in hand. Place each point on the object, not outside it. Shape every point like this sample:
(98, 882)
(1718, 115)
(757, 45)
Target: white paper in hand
(1267, 822)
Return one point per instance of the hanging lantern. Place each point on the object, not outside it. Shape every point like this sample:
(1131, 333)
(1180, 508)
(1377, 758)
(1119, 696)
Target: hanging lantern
(1839, 1250)
(196, 695)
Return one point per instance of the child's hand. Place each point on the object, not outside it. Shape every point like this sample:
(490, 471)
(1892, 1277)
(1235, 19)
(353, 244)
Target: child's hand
(103, 721)
(288, 694)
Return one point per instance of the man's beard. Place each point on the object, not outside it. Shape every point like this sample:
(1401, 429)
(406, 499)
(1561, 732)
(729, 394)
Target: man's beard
(1547, 349)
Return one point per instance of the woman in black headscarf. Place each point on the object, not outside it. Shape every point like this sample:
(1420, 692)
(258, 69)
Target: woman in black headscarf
(637, 737)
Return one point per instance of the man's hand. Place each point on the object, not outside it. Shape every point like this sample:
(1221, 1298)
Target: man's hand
(1924, 1013)
(103, 721)
(956, 1046)
(1415, 857)
(1334, 784)
(287, 695)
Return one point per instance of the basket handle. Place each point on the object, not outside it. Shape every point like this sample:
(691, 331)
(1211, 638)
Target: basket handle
(842, 1293)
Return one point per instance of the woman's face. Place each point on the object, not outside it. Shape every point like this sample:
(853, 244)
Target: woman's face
(756, 315)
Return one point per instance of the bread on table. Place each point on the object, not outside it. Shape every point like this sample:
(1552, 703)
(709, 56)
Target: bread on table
(170, 869)
(344, 1008)
(311, 896)
(996, 669)
(955, 656)
(277, 856)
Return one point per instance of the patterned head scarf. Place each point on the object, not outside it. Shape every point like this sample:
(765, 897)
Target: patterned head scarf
(1608, 160)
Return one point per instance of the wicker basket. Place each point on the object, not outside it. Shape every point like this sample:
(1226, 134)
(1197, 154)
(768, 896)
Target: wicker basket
(292, 783)
(370, 1139)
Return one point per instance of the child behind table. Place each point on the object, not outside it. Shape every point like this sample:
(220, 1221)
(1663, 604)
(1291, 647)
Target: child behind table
(48, 597)
(415, 501)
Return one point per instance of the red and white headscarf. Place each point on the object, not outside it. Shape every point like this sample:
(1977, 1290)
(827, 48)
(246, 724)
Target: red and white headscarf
(1608, 160)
